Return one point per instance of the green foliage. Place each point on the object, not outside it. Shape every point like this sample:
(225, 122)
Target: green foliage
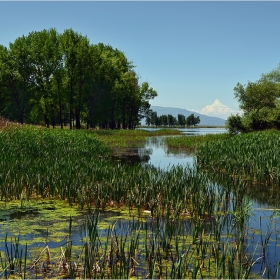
(154, 119)
(51, 78)
(234, 124)
(191, 143)
(168, 120)
(257, 95)
(192, 120)
(259, 103)
(181, 120)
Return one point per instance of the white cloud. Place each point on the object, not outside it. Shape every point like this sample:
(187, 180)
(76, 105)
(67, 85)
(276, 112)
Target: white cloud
(217, 109)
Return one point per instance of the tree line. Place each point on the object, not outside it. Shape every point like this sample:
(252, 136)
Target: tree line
(62, 79)
(259, 102)
(168, 120)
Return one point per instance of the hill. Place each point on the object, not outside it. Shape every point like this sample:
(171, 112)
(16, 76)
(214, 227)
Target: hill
(204, 120)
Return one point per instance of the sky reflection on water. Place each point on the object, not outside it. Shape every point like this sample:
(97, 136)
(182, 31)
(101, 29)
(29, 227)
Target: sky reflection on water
(161, 156)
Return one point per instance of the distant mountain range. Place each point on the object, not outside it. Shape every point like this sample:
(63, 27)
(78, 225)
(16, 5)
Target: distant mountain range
(204, 120)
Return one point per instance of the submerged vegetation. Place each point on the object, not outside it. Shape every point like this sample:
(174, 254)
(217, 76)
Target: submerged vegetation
(175, 223)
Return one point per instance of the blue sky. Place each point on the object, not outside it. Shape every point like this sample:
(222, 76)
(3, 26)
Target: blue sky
(192, 53)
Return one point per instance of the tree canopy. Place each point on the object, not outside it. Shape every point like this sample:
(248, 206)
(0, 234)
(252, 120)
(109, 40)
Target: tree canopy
(259, 102)
(50, 78)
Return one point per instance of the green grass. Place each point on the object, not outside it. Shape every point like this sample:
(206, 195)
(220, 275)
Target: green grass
(252, 157)
(191, 143)
(126, 138)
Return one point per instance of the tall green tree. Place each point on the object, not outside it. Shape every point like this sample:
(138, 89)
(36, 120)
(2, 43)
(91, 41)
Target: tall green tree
(6, 81)
(52, 78)
(109, 86)
(259, 102)
(146, 94)
(76, 60)
(46, 59)
(192, 120)
(20, 80)
(154, 118)
(181, 120)
(171, 120)
(256, 95)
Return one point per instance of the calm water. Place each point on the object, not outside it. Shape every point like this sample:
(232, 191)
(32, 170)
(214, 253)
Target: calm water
(161, 156)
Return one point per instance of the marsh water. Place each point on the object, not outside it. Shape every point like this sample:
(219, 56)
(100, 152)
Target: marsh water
(156, 153)
(264, 221)
(161, 156)
(263, 225)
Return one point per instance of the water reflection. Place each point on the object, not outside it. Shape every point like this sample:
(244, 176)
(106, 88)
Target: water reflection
(156, 153)
(164, 157)
(132, 155)
(193, 131)
(202, 131)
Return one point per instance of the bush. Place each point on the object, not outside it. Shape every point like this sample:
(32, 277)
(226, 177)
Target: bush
(234, 124)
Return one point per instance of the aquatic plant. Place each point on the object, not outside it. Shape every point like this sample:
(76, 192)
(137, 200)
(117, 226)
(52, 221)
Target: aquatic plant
(191, 143)
(252, 157)
(178, 222)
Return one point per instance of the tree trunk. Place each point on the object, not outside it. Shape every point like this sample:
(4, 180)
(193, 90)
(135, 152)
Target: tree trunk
(60, 115)
(78, 118)
(47, 121)
(123, 116)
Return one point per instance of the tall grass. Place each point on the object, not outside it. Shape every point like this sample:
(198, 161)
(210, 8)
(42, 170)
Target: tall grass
(75, 166)
(212, 244)
(191, 143)
(252, 157)
(194, 228)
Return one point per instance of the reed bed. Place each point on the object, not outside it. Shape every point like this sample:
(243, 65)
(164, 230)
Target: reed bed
(151, 248)
(73, 166)
(128, 138)
(252, 157)
(191, 143)
(183, 225)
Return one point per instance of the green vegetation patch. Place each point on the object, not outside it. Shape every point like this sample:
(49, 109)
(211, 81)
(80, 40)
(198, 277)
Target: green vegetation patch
(252, 157)
(159, 224)
(48, 218)
(129, 138)
(191, 143)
